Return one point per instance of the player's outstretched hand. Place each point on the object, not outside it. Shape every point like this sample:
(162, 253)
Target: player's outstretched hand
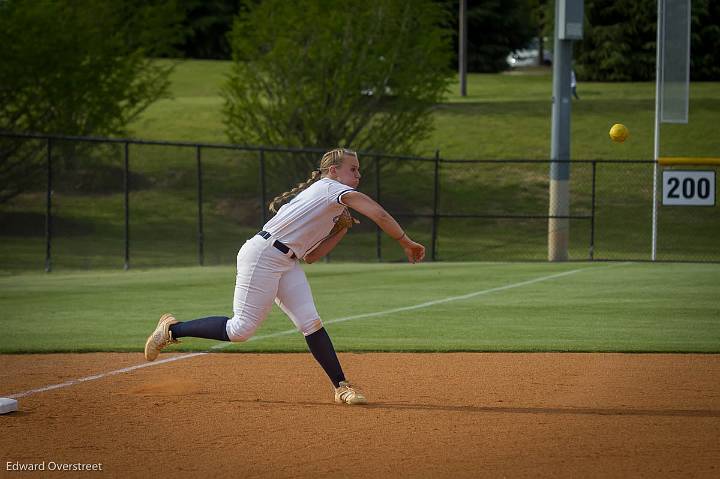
(415, 252)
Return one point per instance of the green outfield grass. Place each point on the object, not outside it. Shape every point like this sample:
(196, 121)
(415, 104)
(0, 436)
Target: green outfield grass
(633, 307)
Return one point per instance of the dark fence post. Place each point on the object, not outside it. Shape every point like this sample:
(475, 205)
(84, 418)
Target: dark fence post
(263, 189)
(378, 231)
(48, 209)
(435, 206)
(592, 214)
(200, 237)
(126, 186)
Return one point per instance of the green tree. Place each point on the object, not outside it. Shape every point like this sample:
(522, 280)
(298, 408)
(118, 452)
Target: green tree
(618, 41)
(620, 35)
(76, 67)
(208, 22)
(541, 18)
(705, 43)
(323, 73)
(495, 28)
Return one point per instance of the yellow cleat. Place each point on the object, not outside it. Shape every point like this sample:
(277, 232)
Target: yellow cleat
(347, 394)
(160, 338)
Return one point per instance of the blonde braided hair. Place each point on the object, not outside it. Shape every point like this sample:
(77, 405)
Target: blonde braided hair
(331, 158)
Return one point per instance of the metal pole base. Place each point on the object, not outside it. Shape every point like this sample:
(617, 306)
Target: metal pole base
(559, 228)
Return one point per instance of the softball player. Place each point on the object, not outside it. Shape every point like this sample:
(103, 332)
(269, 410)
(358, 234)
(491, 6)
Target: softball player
(268, 269)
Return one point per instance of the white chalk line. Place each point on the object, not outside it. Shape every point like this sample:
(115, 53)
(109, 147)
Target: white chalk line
(219, 346)
(72, 382)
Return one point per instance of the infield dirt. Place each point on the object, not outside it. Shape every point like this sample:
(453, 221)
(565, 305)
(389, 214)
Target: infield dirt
(430, 415)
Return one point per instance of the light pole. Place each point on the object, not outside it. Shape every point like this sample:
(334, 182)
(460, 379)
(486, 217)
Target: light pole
(568, 27)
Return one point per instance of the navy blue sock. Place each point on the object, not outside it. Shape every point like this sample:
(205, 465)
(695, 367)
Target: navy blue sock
(208, 328)
(322, 349)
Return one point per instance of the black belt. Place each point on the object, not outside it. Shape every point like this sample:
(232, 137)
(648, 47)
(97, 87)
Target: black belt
(277, 244)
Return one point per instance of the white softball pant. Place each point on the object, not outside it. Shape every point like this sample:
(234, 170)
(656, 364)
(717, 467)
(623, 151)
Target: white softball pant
(264, 275)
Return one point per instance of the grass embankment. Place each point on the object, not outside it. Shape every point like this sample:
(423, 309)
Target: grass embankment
(504, 116)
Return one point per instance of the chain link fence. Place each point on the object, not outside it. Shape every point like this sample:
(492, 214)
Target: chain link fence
(115, 203)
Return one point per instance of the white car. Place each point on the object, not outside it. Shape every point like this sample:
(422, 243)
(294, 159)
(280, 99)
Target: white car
(527, 57)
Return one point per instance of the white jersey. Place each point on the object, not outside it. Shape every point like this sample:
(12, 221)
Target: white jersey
(308, 218)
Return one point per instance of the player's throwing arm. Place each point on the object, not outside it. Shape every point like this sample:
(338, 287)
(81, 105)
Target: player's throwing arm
(365, 205)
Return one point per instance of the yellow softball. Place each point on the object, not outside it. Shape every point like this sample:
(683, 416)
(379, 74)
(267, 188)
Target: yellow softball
(619, 133)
